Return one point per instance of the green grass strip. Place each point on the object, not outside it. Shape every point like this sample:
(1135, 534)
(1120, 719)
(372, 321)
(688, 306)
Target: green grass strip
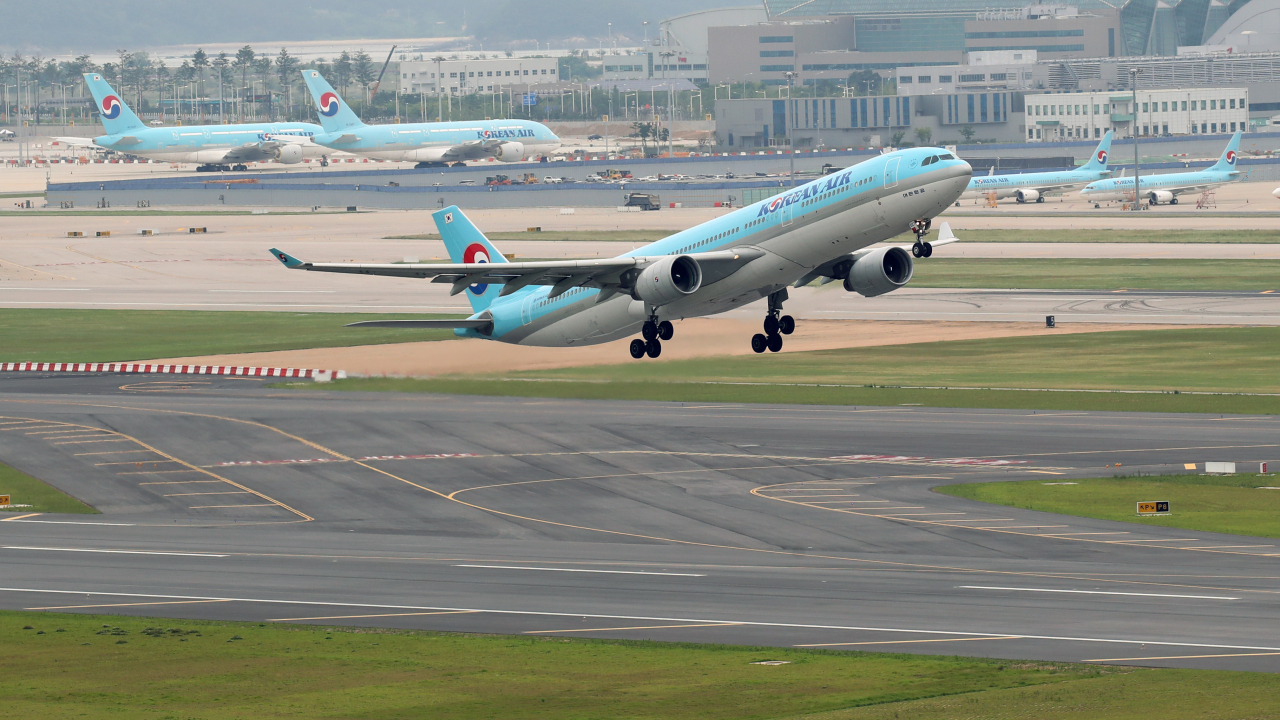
(26, 490)
(55, 335)
(1221, 504)
(86, 666)
(1096, 274)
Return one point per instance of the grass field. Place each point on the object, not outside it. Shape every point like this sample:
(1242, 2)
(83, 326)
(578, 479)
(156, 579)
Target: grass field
(1003, 236)
(26, 490)
(162, 213)
(86, 666)
(1232, 360)
(1224, 504)
(53, 335)
(1096, 274)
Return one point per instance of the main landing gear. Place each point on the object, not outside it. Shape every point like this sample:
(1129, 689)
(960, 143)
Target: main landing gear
(653, 332)
(921, 249)
(775, 325)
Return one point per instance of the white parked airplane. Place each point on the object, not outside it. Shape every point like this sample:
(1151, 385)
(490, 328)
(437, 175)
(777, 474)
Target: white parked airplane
(820, 230)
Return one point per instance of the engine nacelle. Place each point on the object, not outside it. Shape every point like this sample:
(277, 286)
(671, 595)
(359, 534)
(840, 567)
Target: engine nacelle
(879, 272)
(1160, 196)
(668, 280)
(1026, 196)
(510, 152)
(289, 154)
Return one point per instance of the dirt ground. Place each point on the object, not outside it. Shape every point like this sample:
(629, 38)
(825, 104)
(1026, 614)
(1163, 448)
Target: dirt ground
(700, 337)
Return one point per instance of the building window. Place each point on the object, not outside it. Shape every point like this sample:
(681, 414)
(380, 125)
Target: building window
(1144, 107)
(1203, 128)
(1233, 103)
(1097, 133)
(999, 76)
(1213, 104)
(777, 53)
(1095, 109)
(1213, 127)
(777, 38)
(972, 78)
(453, 74)
(944, 78)
(925, 78)
(777, 68)
(1242, 107)
(1164, 106)
(1184, 104)
(905, 79)
(1233, 127)
(1164, 129)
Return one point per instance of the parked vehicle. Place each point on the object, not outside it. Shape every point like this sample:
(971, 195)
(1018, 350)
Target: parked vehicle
(644, 201)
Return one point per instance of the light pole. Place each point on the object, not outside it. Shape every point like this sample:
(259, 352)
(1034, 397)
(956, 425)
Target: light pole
(439, 86)
(1137, 181)
(791, 147)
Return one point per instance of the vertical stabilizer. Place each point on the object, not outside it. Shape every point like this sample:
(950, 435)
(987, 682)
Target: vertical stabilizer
(116, 116)
(1098, 162)
(1227, 163)
(466, 244)
(335, 116)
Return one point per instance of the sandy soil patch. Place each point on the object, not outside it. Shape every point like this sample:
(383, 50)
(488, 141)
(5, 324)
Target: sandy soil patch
(701, 337)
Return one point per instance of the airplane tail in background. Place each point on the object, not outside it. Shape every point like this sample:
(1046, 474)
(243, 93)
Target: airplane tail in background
(466, 244)
(1099, 160)
(1227, 163)
(335, 116)
(116, 117)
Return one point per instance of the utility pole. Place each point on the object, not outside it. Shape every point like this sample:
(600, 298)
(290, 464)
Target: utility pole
(1137, 182)
(791, 146)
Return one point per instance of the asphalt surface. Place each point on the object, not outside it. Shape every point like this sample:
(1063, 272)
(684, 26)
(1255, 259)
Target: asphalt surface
(771, 525)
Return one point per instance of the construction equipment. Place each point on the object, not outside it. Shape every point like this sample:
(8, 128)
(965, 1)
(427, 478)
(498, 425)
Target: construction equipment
(614, 174)
(527, 179)
(644, 201)
(497, 180)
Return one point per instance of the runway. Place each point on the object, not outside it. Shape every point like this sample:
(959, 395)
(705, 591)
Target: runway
(768, 525)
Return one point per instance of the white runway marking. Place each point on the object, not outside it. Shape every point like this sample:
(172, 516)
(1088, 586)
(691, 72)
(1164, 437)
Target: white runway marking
(113, 552)
(46, 289)
(1097, 592)
(274, 291)
(70, 522)
(608, 572)
(537, 613)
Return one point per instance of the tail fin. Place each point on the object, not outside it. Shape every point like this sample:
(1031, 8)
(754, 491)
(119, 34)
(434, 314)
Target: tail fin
(466, 244)
(335, 116)
(1227, 163)
(116, 117)
(1100, 154)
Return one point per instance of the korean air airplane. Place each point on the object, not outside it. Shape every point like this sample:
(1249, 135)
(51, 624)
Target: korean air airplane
(822, 230)
(1166, 188)
(1031, 187)
(215, 147)
(430, 144)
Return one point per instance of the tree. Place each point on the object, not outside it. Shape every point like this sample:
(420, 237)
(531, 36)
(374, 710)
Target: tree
(221, 65)
(865, 82)
(968, 132)
(200, 62)
(642, 131)
(924, 134)
(244, 62)
(897, 138)
(287, 71)
(363, 68)
(342, 71)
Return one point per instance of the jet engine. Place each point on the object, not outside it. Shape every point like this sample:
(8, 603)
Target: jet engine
(1026, 196)
(289, 154)
(510, 152)
(1162, 196)
(879, 272)
(668, 280)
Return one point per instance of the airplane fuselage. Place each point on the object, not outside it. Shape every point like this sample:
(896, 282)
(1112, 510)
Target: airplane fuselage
(438, 142)
(210, 143)
(1122, 188)
(797, 231)
(1008, 185)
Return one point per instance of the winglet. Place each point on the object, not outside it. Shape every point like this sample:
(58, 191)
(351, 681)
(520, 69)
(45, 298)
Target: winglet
(288, 260)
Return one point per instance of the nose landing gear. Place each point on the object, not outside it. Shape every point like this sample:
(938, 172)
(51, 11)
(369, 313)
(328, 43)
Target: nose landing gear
(921, 249)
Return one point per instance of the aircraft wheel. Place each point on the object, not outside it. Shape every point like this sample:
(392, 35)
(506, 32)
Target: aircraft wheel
(653, 348)
(1040, 199)
(786, 324)
(770, 325)
(928, 249)
(917, 250)
(649, 330)
(666, 330)
(775, 343)
(1173, 201)
(637, 348)
(759, 343)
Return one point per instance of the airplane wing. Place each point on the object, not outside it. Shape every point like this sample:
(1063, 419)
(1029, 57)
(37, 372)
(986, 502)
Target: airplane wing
(76, 141)
(836, 268)
(612, 275)
(1193, 188)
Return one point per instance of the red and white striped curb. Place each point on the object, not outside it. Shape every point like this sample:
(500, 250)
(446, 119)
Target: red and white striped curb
(142, 368)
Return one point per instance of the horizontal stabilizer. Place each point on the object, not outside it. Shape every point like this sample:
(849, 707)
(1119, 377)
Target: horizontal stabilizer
(473, 324)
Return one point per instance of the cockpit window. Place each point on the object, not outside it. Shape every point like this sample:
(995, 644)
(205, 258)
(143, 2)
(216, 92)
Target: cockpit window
(929, 161)
(947, 156)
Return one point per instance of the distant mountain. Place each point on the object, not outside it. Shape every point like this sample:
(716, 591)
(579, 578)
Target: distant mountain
(61, 26)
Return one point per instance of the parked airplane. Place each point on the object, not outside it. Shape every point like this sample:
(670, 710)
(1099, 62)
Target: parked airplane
(215, 147)
(1166, 188)
(1031, 187)
(820, 230)
(430, 144)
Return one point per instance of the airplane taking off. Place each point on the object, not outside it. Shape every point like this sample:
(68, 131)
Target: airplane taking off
(215, 147)
(1031, 187)
(430, 144)
(820, 230)
(1166, 188)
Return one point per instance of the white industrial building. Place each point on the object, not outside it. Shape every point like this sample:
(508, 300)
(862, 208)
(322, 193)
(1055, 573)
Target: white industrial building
(1088, 115)
(483, 75)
